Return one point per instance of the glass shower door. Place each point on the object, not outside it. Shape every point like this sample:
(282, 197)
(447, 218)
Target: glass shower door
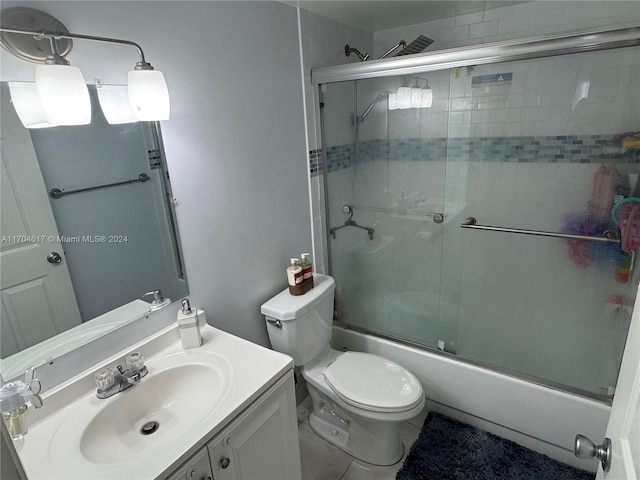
(528, 148)
(550, 149)
(385, 170)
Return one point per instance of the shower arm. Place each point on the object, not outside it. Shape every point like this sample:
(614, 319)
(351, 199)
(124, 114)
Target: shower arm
(349, 50)
(401, 43)
(52, 36)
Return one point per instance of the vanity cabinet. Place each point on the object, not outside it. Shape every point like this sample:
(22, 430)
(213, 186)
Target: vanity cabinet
(196, 468)
(262, 442)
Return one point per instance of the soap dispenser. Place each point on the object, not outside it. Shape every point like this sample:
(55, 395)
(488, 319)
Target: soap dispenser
(158, 300)
(189, 326)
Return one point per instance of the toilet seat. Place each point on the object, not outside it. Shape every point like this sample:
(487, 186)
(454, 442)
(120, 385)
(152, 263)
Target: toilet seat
(372, 382)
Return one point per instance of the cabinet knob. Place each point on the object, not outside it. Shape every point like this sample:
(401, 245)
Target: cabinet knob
(224, 463)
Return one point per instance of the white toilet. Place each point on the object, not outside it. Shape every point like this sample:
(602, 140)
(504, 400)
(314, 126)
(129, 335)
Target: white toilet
(359, 399)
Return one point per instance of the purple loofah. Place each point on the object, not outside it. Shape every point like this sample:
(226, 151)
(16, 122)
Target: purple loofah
(584, 253)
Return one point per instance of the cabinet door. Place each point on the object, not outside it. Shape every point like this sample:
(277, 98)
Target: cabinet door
(262, 444)
(196, 468)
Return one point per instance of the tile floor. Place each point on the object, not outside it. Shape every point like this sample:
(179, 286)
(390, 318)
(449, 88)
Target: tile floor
(323, 461)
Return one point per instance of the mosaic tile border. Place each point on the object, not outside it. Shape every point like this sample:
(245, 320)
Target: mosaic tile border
(529, 149)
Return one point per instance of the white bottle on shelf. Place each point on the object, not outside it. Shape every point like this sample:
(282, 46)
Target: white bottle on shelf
(294, 273)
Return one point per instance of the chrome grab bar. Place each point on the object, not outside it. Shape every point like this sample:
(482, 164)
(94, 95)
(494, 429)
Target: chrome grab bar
(58, 193)
(609, 236)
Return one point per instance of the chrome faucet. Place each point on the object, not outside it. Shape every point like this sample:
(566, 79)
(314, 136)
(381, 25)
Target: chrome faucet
(110, 383)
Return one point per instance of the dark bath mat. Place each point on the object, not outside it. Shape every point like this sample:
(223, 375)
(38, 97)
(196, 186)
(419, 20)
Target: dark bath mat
(450, 450)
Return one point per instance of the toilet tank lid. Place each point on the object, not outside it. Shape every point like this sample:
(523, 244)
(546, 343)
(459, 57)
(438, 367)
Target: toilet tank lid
(285, 306)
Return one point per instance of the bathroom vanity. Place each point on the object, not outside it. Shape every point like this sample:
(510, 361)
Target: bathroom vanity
(225, 410)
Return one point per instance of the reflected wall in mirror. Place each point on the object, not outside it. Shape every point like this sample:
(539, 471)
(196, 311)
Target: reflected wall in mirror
(78, 266)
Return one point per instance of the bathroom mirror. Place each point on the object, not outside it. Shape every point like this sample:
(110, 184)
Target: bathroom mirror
(88, 228)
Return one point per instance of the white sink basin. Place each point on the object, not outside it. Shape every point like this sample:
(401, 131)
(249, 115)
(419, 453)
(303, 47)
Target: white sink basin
(192, 394)
(170, 401)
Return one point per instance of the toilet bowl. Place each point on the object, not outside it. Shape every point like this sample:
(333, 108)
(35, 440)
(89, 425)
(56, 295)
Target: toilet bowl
(359, 399)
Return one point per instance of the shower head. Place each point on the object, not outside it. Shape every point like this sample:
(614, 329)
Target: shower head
(417, 46)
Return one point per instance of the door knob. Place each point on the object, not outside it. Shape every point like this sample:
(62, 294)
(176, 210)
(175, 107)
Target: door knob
(585, 448)
(54, 257)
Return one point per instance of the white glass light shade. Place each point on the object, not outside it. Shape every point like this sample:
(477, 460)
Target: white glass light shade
(148, 95)
(427, 98)
(416, 97)
(403, 97)
(63, 94)
(26, 103)
(393, 101)
(114, 101)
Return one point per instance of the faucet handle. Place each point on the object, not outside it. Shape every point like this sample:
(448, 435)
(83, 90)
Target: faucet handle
(134, 361)
(35, 387)
(104, 378)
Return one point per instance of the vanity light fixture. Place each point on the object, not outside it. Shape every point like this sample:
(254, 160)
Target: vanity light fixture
(403, 96)
(427, 96)
(416, 96)
(38, 37)
(24, 98)
(62, 90)
(148, 93)
(393, 101)
(411, 97)
(114, 102)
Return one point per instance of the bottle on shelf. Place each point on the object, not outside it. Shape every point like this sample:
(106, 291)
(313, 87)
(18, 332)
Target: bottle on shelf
(307, 268)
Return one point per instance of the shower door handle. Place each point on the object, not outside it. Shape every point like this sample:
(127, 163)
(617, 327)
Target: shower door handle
(437, 217)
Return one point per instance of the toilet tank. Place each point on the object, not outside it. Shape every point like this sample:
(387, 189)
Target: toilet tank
(300, 326)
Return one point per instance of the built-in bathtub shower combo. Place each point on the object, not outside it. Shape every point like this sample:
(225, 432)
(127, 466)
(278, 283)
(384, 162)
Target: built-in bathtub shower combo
(497, 198)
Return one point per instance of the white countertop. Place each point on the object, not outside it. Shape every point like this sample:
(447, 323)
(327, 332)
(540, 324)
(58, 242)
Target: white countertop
(253, 369)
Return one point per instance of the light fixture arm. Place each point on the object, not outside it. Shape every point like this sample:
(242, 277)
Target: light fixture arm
(55, 58)
(53, 36)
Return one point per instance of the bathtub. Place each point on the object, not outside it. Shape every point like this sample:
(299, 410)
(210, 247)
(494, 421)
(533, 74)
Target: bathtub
(538, 417)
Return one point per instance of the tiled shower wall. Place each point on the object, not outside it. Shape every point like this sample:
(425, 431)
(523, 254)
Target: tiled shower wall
(323, 42)
(525, 19)
(544, 149)
(525, 129)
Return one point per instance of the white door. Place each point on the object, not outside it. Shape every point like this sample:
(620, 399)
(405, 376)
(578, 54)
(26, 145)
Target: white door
(38, 301)
(624, 423)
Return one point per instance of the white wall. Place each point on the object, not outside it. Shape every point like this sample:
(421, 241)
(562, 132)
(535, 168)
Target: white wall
(235, 141)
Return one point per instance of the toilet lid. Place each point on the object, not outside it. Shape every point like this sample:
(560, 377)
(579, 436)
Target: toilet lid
(373, 383)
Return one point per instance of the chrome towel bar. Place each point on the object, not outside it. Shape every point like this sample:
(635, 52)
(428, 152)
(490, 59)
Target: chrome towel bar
(609, 236)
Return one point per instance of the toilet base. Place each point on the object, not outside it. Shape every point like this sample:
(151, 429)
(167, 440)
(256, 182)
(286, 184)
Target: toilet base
(373, 441)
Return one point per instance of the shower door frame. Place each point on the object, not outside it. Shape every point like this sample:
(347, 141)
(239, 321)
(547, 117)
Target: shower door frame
(568, 43)
(577, 41)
